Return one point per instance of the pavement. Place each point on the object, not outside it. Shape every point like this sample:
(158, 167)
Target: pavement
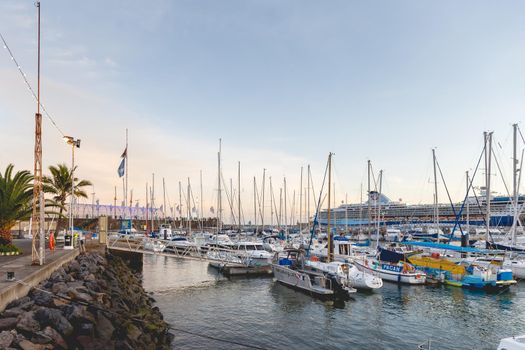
(27, 273)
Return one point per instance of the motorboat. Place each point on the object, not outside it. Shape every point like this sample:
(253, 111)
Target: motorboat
(292, 272)
(360, 280)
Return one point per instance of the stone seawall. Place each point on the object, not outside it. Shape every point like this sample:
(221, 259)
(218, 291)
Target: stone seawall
(94, 302)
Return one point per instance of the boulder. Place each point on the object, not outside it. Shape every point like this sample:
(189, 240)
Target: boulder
(78, 295)
(27, 323)
(104, 327)
(18, 302)
(56, 338)
(6, 338)
(14, 312)
(27, 345)
(55, 319)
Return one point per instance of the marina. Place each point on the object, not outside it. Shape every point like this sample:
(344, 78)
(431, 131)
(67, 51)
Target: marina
(262, 175)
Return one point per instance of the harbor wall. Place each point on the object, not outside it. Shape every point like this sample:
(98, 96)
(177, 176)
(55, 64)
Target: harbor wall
(95, 301)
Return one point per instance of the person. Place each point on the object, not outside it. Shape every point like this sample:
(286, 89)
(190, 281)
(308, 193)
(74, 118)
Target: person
(82, 246)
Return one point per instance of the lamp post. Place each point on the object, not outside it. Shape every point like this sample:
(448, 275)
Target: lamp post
(68, 241)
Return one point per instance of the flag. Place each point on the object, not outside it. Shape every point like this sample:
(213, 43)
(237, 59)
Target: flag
(178, 209)
(122, 167)
(212, 210)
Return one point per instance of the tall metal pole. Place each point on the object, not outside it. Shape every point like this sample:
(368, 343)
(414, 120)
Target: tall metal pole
(239, 195)
(126, 193)
(328, 228)
(72, 197)
(37, 255)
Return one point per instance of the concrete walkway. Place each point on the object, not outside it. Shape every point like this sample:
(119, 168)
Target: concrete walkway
(30, 275)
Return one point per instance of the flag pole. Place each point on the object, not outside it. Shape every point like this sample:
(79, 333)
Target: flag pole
(126, 196)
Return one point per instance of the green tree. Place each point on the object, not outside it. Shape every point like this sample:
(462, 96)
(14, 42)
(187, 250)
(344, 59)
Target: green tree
(59, 186)
(16, 194)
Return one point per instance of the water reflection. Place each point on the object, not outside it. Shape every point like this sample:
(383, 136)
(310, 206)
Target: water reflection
(264, 312)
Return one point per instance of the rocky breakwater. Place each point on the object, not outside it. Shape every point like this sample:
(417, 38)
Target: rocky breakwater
(95, 302)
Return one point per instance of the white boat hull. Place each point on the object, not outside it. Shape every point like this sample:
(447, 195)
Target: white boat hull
(393, 276)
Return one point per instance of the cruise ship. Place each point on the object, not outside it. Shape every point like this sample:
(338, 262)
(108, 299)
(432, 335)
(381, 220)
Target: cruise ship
(398, 213)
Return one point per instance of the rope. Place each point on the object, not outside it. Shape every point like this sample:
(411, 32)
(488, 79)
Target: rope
(94, 306)
(24, 77)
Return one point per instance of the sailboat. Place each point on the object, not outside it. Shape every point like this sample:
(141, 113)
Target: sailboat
(295, 271)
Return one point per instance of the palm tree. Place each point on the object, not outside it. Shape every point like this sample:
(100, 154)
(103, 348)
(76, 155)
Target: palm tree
(16, 194)
(59, 185)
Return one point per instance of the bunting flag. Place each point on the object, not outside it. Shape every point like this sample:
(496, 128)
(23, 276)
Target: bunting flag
(122, 166)
(178, 209)
(212, 210)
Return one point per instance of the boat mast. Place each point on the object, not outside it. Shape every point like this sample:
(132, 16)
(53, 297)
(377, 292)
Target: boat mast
(239, 195)
(308, 199)
(369, 204)
(219, 199)
(262, 214)
(468, 202)
(180, 205)
(436, 208)
(360, 207)
(147, 209)
(378, 204)
(271, 202)
(346, 213)
(285, 211)
(164, 194)
(488, 153)
(255, 203)
(301, 202)
(514, 182)
(328, 230)
(280, 208)
(201, 213)
(152, 202)
(189, 207)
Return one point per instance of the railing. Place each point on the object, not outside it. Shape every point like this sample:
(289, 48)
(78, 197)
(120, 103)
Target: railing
(154, 246)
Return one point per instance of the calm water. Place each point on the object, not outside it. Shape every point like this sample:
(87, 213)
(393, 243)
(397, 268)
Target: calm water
(259, 311)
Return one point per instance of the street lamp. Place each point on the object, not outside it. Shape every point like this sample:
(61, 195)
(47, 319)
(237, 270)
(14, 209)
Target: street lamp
(68, 241)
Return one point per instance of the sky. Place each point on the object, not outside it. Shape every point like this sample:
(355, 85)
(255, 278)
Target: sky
(281, 82)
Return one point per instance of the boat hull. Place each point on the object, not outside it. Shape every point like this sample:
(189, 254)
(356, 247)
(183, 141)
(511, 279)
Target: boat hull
(415, 278)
